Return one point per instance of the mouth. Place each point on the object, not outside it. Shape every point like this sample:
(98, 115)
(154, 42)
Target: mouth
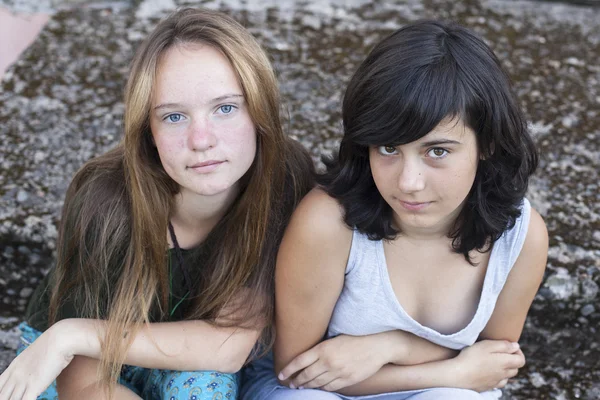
(413, 205)
(206, 166)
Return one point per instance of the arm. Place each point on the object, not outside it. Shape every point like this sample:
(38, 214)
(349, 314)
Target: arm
(309, 277)
(409, 349)
(356, 366)
(185, 345)
(483, 366)
(357, 357)
(521, 286)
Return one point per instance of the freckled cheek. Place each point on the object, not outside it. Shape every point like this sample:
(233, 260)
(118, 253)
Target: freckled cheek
(171, 146)
(462, 183)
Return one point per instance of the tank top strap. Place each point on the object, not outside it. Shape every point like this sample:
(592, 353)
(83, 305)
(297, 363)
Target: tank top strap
(507, 249)
(362, 247)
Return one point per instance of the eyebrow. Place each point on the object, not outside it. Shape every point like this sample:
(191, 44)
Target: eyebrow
(213, 101)
(437, 142)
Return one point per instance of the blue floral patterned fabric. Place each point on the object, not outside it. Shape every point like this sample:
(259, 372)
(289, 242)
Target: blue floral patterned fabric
(157, 384)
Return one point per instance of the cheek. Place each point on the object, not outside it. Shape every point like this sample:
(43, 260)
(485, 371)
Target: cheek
(243, 142)
(168, 150)
(461, 183)
(384, 179)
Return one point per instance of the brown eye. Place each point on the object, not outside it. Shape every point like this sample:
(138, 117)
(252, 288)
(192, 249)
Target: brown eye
(387, 150)
(438, 152)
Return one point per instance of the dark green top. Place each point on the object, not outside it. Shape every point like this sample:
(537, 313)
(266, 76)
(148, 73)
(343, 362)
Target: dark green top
(179, 299)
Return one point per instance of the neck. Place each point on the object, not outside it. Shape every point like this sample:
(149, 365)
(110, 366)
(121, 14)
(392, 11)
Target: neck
(195, 216)
(436, 232)
(424, 234)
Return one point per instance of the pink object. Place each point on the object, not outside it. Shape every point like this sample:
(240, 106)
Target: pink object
(17, 32)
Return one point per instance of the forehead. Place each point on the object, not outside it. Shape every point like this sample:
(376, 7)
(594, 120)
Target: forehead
(450, 128)
(194, 72)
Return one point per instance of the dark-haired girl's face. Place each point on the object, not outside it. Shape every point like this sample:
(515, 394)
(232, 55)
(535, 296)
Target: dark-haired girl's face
(426, 182)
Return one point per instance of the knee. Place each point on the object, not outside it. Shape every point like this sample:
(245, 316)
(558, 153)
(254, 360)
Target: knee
(198, 385)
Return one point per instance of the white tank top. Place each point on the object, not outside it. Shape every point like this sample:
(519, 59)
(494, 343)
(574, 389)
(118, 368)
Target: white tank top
(368, 304)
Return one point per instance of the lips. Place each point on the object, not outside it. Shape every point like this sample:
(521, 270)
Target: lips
(206, 166)
(206, 163)
(413, 205)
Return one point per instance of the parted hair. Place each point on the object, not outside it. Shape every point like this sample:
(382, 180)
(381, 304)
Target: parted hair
(421, 74)
(112, 248)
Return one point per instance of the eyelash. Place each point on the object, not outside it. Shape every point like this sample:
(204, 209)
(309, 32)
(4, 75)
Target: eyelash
(219, 108)
(382, 150)
(446, 152)
(167, 118)
(226, 105)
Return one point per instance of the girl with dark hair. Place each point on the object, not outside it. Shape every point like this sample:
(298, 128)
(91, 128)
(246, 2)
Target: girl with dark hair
(409, 272)
(167, 243)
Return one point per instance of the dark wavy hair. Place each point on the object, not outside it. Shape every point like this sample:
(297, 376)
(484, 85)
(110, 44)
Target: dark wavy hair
(410, 82)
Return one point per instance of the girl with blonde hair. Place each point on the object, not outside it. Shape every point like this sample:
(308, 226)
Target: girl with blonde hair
(167, 243)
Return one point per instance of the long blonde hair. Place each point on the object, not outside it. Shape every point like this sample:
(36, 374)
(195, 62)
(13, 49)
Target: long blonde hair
(112, 252)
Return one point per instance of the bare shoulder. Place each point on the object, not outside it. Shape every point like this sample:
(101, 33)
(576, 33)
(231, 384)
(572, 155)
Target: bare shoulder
(321, 217)
(537, 235)
(531, 263)
(522, 284)
(535, 248)
(317, 239)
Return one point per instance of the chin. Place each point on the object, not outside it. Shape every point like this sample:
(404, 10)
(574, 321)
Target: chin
(213, 191)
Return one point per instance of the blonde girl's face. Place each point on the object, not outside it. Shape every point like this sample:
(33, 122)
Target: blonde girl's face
(426, 182)
(200, 122)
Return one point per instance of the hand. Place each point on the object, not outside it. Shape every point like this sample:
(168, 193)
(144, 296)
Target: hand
(32, 371)
(488, 364)
(336, 363)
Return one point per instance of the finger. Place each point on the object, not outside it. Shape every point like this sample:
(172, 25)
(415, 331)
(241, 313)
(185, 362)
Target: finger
(335, 385)
(29, 395)
(502, 383)
(512, 372)
(510, 361)
(4, 378)
(6, 391)
(17, 393)
(519, 359)
(503, 346)
(299, 363)
(309, 373)
(319, 381)
(520, 353)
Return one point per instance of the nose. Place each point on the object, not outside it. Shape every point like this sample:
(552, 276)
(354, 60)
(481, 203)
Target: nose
(411, 178)
(201, 136)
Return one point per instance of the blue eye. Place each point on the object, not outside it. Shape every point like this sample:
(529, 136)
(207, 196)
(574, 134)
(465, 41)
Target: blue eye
(175, 117)
(226, 109)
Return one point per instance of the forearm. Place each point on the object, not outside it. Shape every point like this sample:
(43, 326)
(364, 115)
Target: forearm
(184, 345)
(395, 378)
(408, 349)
